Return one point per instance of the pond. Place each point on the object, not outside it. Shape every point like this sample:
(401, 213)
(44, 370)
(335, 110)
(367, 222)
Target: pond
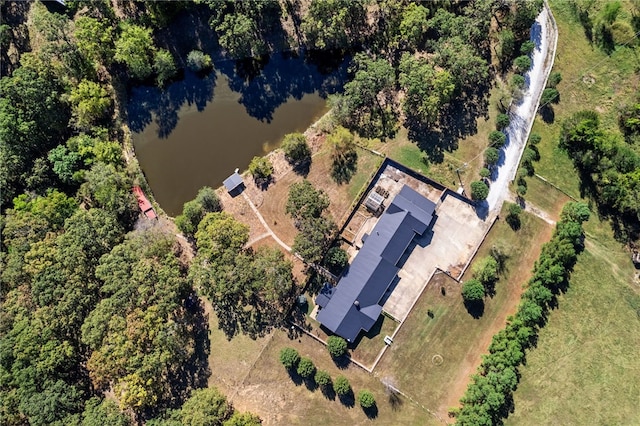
(200, 129)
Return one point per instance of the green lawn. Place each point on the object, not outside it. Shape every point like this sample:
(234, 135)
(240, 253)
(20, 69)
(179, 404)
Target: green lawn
(450, 332)
(586, 369)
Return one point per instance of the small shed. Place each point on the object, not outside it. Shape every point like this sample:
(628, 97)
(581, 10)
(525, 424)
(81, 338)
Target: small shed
(233, 183)
(143, 203)
(374, 202)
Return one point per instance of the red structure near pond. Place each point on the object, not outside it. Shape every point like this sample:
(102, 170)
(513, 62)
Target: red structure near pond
(143, 203)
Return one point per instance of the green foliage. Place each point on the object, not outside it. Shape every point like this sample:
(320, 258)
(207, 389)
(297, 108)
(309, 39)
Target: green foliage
(491, 156)
(306, 368)
(289, 357)
(341, 386)
(205, 407)
(517, 82)
(90, 102)
(336, 259)
(513, 217)
(534, 139)
(198, 61)
(479, 191)
(240, 37)
(502, 121)
(243, 419)
(554, 79)
(322, 378)
(261, 168)
(486, 271)
(522, 64)
(333, 24)
(549, 96)
(193, 211)
(527, 47)
(414, 25)
(337, 346)
(473, 290)
(462, 60)
(65, 163)
(366, 399)
(296, 149)
(506, 45)
(314, 238)
(497, 139)
(360, 107)
(95, 39)
(135, 48)
(485, 173)
(103, 412)
(164, 66)
(305, 202)
(491, 389)
(427, 89)
(344, 155)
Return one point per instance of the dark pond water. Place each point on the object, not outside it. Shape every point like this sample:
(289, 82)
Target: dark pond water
(198, 130)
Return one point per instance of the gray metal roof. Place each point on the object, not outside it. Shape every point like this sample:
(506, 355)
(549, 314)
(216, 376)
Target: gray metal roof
(374, 268)
(232, 182)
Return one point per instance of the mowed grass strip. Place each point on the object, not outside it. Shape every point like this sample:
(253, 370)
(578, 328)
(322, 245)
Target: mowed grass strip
(585, 369)
(591, 79)
(440, 326)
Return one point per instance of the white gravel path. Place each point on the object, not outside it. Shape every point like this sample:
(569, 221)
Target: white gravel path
(545, 35)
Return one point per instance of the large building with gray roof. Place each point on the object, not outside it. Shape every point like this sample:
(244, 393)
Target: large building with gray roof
(354, 304)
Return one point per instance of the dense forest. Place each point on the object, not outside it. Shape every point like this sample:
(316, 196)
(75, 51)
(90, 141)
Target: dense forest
(101, 317)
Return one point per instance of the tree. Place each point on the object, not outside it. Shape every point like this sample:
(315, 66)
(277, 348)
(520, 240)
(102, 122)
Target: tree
(337, 346)
(502, 121)
(506, 45)
(534, 139)
(497, 139)
(491, 156)
(527, 47)
(463, 62)
(517, 82)
(414, 25)
(135, 48)
(549, 96)
(341, 385)
(220, 237)
(479, 191)
(193, 211)
(322, 378)
(240, 37)
(95, 39)
(205, 407)
(261, 169)
(65, 163)
(522, 64)
(99, 412)
(289, 357)
(336, 259)
(90, 102)
(296, 149)
(427, 89)
(306, 369)
(333, 24)
(366, 399)
(164, 66)
(554, 79)
(486, 271)
(305, 201)
(198, 61)
(513, 217)
(473, 290)
(314, 238)
(344, 155)
(485, 173)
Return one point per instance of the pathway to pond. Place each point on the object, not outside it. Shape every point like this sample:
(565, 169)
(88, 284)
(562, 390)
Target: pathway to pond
(264, 223)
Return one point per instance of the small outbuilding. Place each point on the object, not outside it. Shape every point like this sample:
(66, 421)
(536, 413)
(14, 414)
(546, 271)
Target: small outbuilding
(374, 202)
(234, 183)
(145, 206)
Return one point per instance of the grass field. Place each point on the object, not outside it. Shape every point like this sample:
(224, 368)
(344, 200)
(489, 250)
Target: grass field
(451, 332)
(585, 368)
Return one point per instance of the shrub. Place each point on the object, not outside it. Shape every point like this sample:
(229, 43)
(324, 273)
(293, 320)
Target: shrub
(306, 368)
(550, 96)
(534, 139)
(522, 64)
(497, 139)
(164, 66)
(527, 47)
(473, 290)
(322, 378)
(260, 168)
(517, 81)
(337, 346)
(554, 79)
(513, 217)
(491, 156)
(502, 121)
(479, 191)
(289, 357)
(485, 173)
(296, 149)
(486, 271)
(198, 61)
(366, 399)
(341, 386)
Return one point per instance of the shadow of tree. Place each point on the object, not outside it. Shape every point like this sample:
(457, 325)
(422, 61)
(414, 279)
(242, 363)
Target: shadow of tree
(371, 412)
(344, 167)
(475, 309)
(394, 400)
(348, 399)
(328, 392)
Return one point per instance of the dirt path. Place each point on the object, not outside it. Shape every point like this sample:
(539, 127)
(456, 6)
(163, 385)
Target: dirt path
(533, 209)
(264, 223)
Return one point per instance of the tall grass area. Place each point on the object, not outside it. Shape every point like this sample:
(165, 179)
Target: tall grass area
(591, 79)
(585, 368)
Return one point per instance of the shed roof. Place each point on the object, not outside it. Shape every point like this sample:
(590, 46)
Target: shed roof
(232, 182)
(375, 267)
